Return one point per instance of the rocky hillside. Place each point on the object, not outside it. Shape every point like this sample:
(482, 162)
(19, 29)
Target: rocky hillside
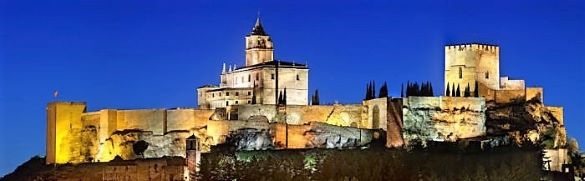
(526, 120)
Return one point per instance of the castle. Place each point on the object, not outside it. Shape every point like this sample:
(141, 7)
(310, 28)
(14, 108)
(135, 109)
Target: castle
(252, 96)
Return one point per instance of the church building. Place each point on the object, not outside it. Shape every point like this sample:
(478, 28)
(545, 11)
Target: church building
(263, 79)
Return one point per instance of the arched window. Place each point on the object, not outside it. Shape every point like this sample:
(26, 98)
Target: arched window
(487, 75)
(249, 77)
(298, 77)
(460, 73)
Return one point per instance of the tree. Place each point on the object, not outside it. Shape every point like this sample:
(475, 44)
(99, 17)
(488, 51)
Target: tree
(476, 90)
(254, 94)
(448, 91)
(284, 97)
(383, 90)
(453, 94)
(467, 92)
(458, 92)
(402, 90)
(139, 147)
(315, 98)
(280, 100)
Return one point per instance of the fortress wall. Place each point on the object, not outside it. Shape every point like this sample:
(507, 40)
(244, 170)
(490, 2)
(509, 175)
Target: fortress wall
(63, 120)
(535, 92)
(443, 118)
(296, 138)
(187, 119)
(558, 113)
(507, 84)
(377, 111)
(343, 115)
(508, 96)
(91, 119)
(143, 119)
(394, 126)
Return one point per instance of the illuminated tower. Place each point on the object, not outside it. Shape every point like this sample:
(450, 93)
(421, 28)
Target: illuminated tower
(193, 156)
(259, 47)
(467, 63)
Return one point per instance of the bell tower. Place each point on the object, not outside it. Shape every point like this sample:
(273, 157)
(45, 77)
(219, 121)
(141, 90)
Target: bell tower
(259, 47)
(193, 156)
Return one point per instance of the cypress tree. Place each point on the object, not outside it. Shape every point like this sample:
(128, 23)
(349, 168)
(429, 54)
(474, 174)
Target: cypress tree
(383, 90)
(402, 90)
(458, 92)
(316, 97)
(367, 91)
(467, 92)
(279, 98)
(476, 90)
(373, 90)
(453, 94)
(448, 91)
(431, 93)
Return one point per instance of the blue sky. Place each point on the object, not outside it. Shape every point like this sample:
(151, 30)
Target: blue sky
(153, 54)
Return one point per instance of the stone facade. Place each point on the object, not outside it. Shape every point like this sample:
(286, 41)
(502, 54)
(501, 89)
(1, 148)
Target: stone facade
(262, 78)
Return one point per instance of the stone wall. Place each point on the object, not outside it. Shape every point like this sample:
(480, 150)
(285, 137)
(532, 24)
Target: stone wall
(443, 118)
(555, 158)
(395, 124)
(342, 115)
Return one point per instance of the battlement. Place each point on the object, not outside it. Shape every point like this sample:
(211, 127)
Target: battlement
(473, 47)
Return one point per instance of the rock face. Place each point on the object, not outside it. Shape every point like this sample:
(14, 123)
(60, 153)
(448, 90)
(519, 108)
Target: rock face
(313, 135)
(529, 120)
(443, 118)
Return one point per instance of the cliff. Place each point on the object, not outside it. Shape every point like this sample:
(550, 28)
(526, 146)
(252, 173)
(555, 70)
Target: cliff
(527, 120)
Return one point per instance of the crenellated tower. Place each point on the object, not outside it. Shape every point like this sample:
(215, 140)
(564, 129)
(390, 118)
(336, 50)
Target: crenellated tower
(259, 47)
(467, 63)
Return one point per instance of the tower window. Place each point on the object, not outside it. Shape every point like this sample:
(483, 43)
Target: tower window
(236, 102)
(257, 76)
(298, 77)
(220, 94)
(460, 73)
(487, 75)
(237, 93)
(227, 103)
(249, 102)
(249, 77)
(212, 95)
(227, 94)
(272, 76)
(249, 93)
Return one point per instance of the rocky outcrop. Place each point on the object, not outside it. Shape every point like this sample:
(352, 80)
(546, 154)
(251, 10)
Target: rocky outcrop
(529, 120)
(442, 118)
(313, 135)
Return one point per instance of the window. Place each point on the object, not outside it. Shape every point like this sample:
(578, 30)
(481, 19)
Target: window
(227, 94)
(257, 76)
(236, 102)
(227, 103)
(249, 78)
(460, 73)
(212, 94)
(298, 77)
(272, 76)
(220, 94)
(249, 102)
(487, 75)
(249, 93)
(237, 93)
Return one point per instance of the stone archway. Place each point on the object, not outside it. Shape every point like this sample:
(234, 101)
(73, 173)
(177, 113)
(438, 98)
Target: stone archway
(376, 117)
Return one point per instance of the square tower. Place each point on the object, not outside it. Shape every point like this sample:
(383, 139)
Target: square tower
(467, 63)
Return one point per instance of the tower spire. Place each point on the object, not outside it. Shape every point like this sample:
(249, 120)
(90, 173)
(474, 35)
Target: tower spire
(258, 29)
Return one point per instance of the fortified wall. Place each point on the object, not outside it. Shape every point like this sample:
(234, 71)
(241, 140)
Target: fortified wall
(75, 136)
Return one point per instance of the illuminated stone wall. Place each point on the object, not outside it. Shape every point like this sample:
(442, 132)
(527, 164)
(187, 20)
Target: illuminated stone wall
(443, 118)
(341, 115)
(63, 119)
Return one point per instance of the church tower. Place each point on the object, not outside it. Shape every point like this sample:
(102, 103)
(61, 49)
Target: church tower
(193, 156)
(259, 47)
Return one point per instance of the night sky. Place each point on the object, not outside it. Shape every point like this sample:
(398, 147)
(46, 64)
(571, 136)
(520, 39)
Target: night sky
(154, 54)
